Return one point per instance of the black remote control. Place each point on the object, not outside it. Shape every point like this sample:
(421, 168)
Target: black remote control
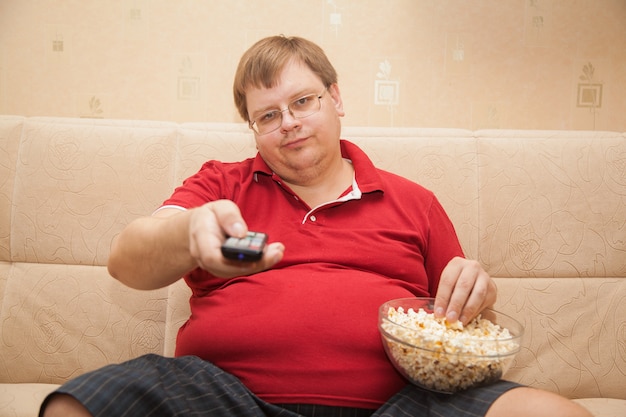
(246, 249)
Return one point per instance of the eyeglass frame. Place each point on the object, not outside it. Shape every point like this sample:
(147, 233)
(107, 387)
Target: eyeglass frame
(252, 123)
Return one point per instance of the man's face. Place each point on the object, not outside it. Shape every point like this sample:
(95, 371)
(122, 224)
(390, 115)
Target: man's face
(299, 146)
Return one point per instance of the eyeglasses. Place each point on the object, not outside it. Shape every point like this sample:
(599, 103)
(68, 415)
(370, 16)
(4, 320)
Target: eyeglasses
(299, 109)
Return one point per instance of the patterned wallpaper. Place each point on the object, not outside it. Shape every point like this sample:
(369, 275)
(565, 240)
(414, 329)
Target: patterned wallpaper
(521, 64)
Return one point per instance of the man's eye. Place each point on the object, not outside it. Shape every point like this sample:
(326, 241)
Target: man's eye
(303, 102)
(268, 117)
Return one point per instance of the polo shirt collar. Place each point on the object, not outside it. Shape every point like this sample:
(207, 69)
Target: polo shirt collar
(366, 174)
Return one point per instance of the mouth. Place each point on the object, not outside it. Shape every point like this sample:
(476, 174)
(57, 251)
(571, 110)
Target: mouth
(295, 143)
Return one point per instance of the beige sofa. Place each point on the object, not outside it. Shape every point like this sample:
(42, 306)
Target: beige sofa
(544, 211)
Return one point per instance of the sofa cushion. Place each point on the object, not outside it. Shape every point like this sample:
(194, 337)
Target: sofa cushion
(23, 400)
(78, 182)
(59, 321)
(10, 134)
(604, 407)
(552, 203)
(574, 334)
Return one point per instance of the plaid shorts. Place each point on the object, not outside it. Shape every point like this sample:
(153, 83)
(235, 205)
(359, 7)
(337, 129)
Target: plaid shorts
(188, 386)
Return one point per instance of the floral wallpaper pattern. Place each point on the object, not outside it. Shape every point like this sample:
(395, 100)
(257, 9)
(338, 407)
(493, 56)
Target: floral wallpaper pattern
(520, 64)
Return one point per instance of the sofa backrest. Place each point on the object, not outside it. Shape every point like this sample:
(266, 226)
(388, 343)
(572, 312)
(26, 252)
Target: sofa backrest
(73, 184)
(553, 230)
(544, 212)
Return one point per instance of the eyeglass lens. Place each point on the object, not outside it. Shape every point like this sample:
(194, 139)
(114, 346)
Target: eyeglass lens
(300, 108)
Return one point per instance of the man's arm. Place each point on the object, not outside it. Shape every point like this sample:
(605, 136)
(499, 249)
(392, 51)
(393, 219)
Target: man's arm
(154, 252)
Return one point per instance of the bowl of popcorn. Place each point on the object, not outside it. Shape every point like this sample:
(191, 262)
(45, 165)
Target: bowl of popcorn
(447, 357)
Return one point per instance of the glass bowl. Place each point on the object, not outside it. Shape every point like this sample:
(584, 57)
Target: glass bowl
(443, 357)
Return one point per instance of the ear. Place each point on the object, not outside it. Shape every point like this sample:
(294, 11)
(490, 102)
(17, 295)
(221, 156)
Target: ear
(335, 95)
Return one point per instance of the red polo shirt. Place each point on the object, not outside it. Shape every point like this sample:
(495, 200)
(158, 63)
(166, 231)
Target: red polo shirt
(306, 330)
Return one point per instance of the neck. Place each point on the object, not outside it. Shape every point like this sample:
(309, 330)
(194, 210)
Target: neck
(325, 186)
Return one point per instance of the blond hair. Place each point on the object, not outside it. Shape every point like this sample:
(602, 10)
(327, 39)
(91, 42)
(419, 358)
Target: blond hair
(260, 66)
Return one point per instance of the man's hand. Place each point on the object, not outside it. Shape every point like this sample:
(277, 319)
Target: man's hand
(465, 289)
(156, 251)
(208, 227)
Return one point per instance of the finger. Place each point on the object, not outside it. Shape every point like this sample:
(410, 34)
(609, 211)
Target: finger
(447, 282)
(229, 217)
(461, 276)
(484, 298)
(477, 299)
(228, 268)
(461, 292)
(274, 253)
(206, 234)
(206, 250)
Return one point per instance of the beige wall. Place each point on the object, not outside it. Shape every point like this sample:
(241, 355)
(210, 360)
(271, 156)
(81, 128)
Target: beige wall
(523, 64)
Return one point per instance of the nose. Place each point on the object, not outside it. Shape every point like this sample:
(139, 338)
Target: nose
(288, 121)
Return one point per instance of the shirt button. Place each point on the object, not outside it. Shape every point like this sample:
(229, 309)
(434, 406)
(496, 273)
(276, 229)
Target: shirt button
(313, 218)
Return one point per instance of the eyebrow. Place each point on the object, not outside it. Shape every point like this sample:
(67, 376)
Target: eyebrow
(269, 108)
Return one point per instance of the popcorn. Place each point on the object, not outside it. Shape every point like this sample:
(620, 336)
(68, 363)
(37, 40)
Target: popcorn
(450, 357)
